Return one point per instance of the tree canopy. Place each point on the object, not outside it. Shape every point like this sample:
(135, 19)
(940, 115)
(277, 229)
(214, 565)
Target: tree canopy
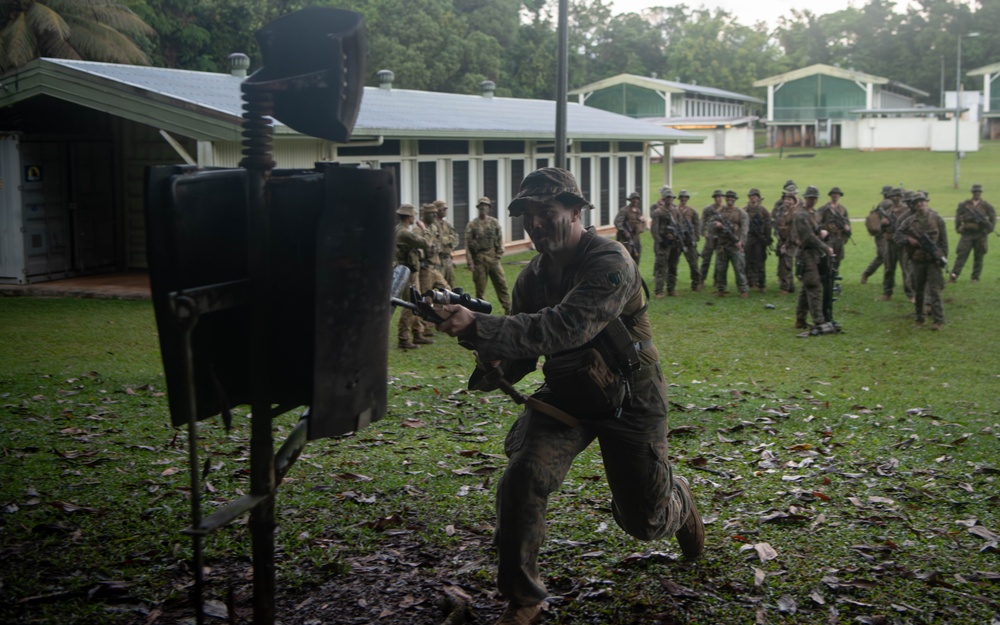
(453, 45)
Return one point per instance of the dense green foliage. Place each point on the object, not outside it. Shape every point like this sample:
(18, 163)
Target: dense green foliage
(452, 45)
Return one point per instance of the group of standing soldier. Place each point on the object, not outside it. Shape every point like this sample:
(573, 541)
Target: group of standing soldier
(426, 248)
(911, 235)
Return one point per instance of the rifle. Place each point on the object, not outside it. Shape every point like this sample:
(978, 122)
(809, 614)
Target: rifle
(843, 223)
(931, 249)
(758, 232)
(423, 305)
(980, 219)
(727, 226)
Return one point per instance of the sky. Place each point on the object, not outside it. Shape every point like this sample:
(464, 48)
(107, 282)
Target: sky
(747, 12)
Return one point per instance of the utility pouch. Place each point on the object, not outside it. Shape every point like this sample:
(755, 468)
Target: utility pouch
(800, 268)
(584, 384)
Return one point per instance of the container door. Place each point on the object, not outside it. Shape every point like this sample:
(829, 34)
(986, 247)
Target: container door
(45, 210)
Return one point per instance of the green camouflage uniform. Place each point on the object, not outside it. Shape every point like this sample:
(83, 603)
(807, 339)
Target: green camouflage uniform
(926, 271)
(874, 225)
(833, 219)
(895, 254)
(708, 251)
(809, 249)
(781, 220)
(666, 230)
(974, 236)
(729, 247)
(555, 314)
(758, 240)
(692, 234)
(630, 225)
(484, 245)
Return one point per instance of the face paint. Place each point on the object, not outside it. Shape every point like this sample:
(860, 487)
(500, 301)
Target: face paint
(550, 226)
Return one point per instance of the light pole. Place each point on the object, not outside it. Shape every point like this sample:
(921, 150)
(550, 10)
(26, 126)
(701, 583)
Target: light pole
(958, 100)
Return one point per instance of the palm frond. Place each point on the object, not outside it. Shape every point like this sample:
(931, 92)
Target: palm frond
(17, 44)
(100, 42)
(45, 22)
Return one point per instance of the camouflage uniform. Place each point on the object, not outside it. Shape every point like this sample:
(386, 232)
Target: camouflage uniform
(874, 225)
(781, 220)
(926, 268)
(691, 225)
(558, 309)
(708, 251)
(894, 253)
(974, 236)
(484, 246)
(449, 241)
(629, 224)
(834, 219)
(668, 241)
(410, 247)
(729, 247)
(809, 250)
(430, 268)
(759, 239)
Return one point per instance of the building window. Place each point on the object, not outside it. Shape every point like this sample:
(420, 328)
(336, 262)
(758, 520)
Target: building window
(639, 174)
(430, 146)
(395, 169)
(630, 146)
(490, 183)
(541, 162)
(516, 176)
(460, 199)
(623, 189)
(427, 181)
(388, 148)
(584, 180)
(595, 146)
(605, 190)
(503, 147)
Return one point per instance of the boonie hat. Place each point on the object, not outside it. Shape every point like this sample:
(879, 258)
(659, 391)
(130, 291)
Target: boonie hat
(789, 182)
(717, 193)
(548, 183)
(441, 204)
(754, 191)
(731, 193)
(791, 189)
(634, 196)
(683, 193)
(429, 208)
(836, 190)
(896, 191)
(407, 210)
(977, 187)
(484, 200)
(666, 191)
(811, 191)
(887, 189)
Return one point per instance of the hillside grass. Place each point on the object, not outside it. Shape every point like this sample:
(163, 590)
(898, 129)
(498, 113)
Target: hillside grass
(868, 462)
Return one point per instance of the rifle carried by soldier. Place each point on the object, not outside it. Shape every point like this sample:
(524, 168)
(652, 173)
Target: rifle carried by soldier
(726, 226)
(423, 305)
(758, 232)
(981, 220)
(931, 249)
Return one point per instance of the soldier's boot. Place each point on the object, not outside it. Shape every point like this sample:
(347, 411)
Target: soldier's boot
(885, 298)
(520, 614)
(864, 278)
(936, 325)
(659, 296)
(953, 278)
(744, 294)
(422, 340)
(800, 324)
(691, 535)
(919, 323)
(671, 293)
(407, 345)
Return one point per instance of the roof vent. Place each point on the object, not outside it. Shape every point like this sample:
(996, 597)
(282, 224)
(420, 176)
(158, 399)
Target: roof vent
(239, 63)
(385, 78)
(488, 87)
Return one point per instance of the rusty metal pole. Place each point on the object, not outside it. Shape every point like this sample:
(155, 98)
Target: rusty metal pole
(562, 84)
(257, 134)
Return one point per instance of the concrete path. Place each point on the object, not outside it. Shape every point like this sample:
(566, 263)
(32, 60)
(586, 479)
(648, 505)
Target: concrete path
(133, 285)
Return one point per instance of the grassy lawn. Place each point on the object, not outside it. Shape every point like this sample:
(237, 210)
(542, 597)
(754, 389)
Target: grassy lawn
(844, 479)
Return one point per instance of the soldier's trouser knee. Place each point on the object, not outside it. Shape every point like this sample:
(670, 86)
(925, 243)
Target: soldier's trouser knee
(928, 282)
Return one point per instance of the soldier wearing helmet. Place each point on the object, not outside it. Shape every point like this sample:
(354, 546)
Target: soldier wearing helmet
(629, 224)
(923, 235)
(810, 245)
(975, 219)
(483, 249)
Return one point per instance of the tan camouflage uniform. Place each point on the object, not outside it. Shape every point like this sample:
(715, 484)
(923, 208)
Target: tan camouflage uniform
(484, 247)
(410, 248)
(449, 241)
(430, 269)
